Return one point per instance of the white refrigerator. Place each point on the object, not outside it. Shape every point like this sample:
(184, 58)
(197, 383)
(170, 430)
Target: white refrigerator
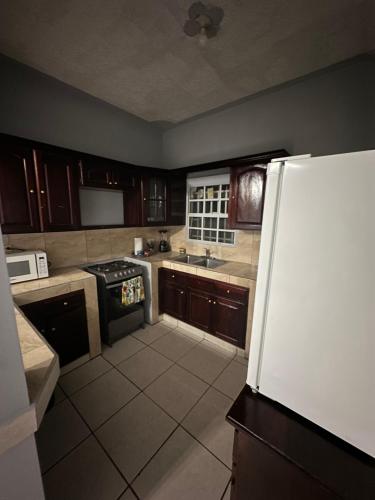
(313, 338)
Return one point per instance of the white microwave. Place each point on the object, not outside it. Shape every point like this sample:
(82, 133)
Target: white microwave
(25, 265)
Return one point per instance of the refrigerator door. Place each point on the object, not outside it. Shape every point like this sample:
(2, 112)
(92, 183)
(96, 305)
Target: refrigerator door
(314, 344)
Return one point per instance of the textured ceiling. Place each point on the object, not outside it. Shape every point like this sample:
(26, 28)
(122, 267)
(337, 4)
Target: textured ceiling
(134, 54)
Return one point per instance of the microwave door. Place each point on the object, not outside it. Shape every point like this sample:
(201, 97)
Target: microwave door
(21, 268)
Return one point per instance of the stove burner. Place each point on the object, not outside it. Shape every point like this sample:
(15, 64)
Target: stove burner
(109, 267)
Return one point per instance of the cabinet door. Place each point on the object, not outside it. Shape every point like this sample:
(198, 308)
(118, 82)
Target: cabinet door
(122, 177)
(229, 320)
(95, 173)
(173, 300)
(176, 200)
(63, 323)
(199, 309)
(247, 188)
(154, 208)
(133, 204)
(58, 185)
(67, 334)
(18, 197)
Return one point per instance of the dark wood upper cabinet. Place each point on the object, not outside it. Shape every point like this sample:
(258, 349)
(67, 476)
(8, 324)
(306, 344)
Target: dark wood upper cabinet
(18, 196)
(58, 191)
(154, 200)
(176, 200)
(95, 173)
(246, 201)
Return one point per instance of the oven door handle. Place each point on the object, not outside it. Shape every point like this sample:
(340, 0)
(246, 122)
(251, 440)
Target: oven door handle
(120, 283)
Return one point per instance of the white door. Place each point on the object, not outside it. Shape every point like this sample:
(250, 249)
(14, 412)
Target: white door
(315, 338)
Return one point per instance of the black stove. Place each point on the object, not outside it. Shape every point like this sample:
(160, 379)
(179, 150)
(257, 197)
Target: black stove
(117, 319)
(116, 270)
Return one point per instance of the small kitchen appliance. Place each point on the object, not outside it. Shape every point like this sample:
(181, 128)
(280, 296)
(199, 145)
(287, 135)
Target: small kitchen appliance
(163, 245)
(120, 298)
(26, 265)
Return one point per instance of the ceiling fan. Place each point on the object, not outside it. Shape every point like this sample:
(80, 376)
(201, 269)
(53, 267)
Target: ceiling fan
(204, 20)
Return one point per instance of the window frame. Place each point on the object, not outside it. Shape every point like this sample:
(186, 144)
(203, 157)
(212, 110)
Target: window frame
(217, 180)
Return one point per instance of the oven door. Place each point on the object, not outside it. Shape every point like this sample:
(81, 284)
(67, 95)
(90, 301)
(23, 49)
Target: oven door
(121, 319)
(21, 268)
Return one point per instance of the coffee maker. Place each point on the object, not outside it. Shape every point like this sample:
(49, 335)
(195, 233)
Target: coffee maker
(164, 245)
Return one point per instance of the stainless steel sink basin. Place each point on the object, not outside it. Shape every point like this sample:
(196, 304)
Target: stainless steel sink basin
(187, 259)
(209, 262)
(196, 260)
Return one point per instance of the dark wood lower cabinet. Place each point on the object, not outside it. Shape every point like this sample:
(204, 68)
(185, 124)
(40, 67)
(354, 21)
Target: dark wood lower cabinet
(279, 455)
(210, 305)
(199, 309)
(62, 322)
(226, 314)
(173, 300)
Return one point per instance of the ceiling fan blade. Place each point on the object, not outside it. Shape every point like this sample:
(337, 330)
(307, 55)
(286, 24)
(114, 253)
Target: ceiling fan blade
(216, 15)
(192, 28)
(211, 31)
(197, 9)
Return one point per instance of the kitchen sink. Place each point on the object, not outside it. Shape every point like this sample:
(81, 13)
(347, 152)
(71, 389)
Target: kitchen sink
(187, 259)
(209, 262)
(196, 260)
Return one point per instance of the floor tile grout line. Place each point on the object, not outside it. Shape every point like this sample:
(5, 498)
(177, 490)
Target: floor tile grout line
(91, 381)
(67, 453)
(225, 489)
(179, 424)
(92, 433)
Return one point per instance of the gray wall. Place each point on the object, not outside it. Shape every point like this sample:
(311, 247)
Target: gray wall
(325, 113)
(19, 466)
(36, 106)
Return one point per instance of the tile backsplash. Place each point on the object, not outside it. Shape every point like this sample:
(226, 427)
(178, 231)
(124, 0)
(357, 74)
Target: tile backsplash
(80, 247)
(246, 248)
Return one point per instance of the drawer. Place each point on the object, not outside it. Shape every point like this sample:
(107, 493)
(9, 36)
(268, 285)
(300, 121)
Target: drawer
(170, 275)
(66, 302)
(237, 293)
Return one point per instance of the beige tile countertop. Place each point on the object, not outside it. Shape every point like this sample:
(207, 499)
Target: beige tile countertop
(230, 268)
(41, 365)
(61, 276)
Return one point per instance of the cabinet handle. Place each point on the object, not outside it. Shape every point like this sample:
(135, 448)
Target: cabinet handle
(209, 300)
(42, 192)
(173, 276)
(214, 302)
(53, 329)
(110, 182)
(66, 303)
(228, 291)
(181, 293)
(144, 199)
(32, 191)
(115, 182)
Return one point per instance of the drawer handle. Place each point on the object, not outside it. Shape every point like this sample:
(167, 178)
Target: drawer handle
(66, 303)
(32, 191)
(209, 300)
(228, 291)
(173, 276)
(181, 293)
(214, 302)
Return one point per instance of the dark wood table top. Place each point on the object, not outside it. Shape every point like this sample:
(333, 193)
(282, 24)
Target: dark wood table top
(335, 463)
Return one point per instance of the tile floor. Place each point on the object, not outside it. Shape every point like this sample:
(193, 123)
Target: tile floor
(145, 420)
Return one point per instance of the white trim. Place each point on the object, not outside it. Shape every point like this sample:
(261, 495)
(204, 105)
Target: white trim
(217, 180)
(208, 181)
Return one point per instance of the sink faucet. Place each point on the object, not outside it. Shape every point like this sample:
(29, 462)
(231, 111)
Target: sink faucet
(208, 253)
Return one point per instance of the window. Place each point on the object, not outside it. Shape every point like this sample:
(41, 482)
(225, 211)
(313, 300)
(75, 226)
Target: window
(208, 210)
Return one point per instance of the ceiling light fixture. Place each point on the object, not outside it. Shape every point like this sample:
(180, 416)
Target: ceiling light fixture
(204, 21)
